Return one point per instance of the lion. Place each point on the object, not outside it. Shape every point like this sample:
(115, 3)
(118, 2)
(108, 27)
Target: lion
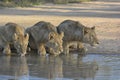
(76, 33)
(45, 38)
(13, 35)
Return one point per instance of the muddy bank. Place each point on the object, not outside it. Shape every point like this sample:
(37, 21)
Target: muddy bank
(109, 36)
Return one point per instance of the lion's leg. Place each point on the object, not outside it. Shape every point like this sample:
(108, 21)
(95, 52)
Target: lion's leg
(29, 49)
(31, 44)
(66, 48)
(81, 48)
(41, 50)
(7, 50)
(80, 45)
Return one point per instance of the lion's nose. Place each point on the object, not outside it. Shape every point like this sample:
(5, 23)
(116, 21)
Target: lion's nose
(23, 54)
(61, 49)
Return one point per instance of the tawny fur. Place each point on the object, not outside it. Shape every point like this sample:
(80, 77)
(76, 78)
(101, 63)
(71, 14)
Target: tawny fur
(44, 34)
(75, 32)
(13, 35)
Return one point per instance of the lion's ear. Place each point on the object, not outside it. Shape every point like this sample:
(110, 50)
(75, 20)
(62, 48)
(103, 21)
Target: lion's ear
(51, 36)
(86, 31)
(93, 28)
(26, 36)
(15, 37)
(62, 34)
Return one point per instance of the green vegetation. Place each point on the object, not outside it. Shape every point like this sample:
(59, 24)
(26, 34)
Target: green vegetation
(25, 3)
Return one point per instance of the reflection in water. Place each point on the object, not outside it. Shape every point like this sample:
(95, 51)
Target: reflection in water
(56, 68)
(46, 67)
(75, 68)
(15, 68)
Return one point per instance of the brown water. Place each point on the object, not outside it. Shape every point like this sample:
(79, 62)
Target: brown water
(73, 67)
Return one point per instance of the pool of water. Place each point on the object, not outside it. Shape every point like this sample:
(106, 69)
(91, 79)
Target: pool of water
(72, 67)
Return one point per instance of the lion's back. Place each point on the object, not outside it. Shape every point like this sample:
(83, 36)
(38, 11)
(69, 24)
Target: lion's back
(40, 32)
(8, 30)
(73, 30)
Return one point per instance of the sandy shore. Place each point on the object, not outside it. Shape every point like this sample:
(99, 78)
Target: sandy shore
(105, 16)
